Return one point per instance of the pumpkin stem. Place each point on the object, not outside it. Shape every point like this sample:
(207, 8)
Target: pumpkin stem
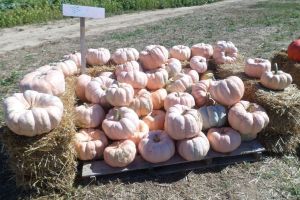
(117, 115)
(276, 68)
(156, 138)
(177, 94)
(251, 108)
(210, 101)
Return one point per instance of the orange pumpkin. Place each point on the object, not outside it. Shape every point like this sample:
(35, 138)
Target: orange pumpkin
(200, 92)
(181, 98)
(225, 52)
(158, 98)
(142, 103)
(198, 63)
(180, 83)
(136, 79)
(81, 82)
(142, 131)
(89, 115)
(202, 49)
(120, 94)
(153, 56)
(155, 120)
(156, 147)
(157, 78)
(97, 56)
(123, 55)
(90, 143)
(180, 52)
(120, 154)
(255, 67)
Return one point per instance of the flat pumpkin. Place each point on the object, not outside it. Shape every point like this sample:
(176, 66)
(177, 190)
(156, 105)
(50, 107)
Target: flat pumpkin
(98, 56)
(255, 67)
(128, 67)
(89, 115)
(119, 94)
(123, 55)
(157, 78)
(225, 52)
(68, 67)
(180, 83)
(153, 56)
(137, 79)
(213, 116)
(180, 52)
(202, 49)
(199, 64)
(182, 98)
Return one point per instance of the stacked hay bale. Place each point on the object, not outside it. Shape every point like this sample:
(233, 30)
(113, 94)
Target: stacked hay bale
(46, 163)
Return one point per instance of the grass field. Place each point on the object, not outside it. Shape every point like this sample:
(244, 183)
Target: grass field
(258, 28)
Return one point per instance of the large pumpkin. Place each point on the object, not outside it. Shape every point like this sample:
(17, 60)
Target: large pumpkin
(142, 103)
(227, 91)
(200, 92)
(158, 98)
(182, 122)
(153, 56)
(89, 115)
(32, 113)
(195, 148)
(128, 67)
(256, 67)
(45, 80)
(202, 49)
(81, 83)
(137, 79)
(120, 123)
(213, 116)
(120, 153)
(180, 83)
(293, 50)
(156, 147)
(155, 120)
(120, 94)
(157, 78)
(224, 140)
(90, 143)
(181, 98)
(180, 52)
(248, 118)
(123, 55)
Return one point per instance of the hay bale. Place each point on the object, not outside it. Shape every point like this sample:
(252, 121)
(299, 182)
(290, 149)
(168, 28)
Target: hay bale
(282, 134)
(46, 163)
(286, 65)
(96, 70)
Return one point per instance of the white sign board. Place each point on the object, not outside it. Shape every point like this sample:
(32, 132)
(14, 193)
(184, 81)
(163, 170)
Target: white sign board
(83, 11)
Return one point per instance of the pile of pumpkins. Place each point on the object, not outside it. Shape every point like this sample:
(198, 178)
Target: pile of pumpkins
(151, 105)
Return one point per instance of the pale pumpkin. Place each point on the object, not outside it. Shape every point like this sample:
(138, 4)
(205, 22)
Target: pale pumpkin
(123, 55)
(137, 79)
(192, 73)
(158, 98)
(180, 52)
(68, 67)
(181, 98)
(32, 113)
(128, 67)
(89, 115)
(156, 147)
(255, 67)
(225, 52)
(200, 92)
(224, 140)
(227, 91)
(173, 67)
(182, 122)
(248, 118)
(95, 90)
(99, 56)
(202, 49)
(142, 103)
(76, 57)
(120, 94)
(44, 80)
(153, 56)
(120, 123)
(157, 78)
(276, 80)
(81, 83)
(120, 153)
(142, 131)
(90, 143)
(155, 120)
(180, 83)
(199, 64)
(213, 116)
(193, 149)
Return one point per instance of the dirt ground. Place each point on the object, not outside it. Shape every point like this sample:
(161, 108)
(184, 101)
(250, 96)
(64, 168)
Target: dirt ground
(257, 27)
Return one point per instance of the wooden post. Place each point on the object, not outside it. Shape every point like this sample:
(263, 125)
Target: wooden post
(82, 45)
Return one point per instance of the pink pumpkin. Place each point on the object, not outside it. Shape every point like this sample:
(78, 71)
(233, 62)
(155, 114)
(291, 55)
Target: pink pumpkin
(68, 67)
(141, 132)
(89, 115)
(119, 94)
(173, 67)
(198, 63)
(157, 78)
(76, 57)
(153, 56)
(225, 52)
(192, 73)
(142, 103)
(97, 56)
(201, 49)
(255, 67)
(181, 98)
(158, 98)
(155, 120)
(136, 79)
(81, 83)
(128, 67)
(200, 92)
(123, 55)
(180, 83)
(180, 52)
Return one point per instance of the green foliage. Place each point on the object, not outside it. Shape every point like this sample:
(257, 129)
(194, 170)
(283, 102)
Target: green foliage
(18, 12)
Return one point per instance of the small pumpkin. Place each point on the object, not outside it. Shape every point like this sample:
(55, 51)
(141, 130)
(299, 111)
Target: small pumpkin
(90, 143)
(202, 49)
(225, 52)
(142, 131)
(173, 67)
(224, 140)
(45, 80)
(120, 153)
(136, 79)
(120, 123)
(120, 94)
(142, 103)
(89, 115)
(200, 92)
(127, 67)
(180, 52)
(153, 56)
(195, 148)
(180, 83)
(255, 67)
(293, 50)
(182, 122)
(155, 120)
(157, 78)
(81, 83)
(199, 64)
(248, 118)
(97, 56)
(158, 98)
(68, 67)
(123, 55)
(76, 57)
(277, 80)
(156, 147)
(213, 116)
(181, 98)
(32, 113)
(192, 73)
(227, 91)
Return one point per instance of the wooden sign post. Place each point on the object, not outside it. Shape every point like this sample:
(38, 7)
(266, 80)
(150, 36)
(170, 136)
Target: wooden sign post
(83, 12)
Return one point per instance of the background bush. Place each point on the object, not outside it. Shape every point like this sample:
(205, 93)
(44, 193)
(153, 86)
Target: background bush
(18, 12)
